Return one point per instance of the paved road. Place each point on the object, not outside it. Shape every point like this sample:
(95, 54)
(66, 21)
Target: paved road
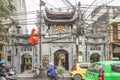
(39, 79)
(29, 76)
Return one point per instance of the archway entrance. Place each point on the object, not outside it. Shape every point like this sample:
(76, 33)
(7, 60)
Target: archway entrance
(26, 60)
(61, 59)
(95, 57)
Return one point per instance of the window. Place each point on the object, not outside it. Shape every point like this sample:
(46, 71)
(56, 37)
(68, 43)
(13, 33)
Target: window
(9, 58)
(119, 31)
(1, 48)
(27, 49)
(21, 49)
(30, 49)
(115, 68)
(115, 32)
(24, 49)
(96, 68)
(84, 66)
(16, 50)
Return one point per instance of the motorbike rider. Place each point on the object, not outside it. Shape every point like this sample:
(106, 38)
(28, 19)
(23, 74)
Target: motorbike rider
(3, 71)
(51, 71)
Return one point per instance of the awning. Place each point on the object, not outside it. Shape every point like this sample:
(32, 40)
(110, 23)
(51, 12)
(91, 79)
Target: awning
(117, 50)
(117, 44)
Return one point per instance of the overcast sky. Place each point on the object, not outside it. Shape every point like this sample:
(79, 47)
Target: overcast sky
(33, 5)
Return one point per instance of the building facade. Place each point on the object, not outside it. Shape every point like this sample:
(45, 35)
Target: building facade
(17, 28)
(58, 43)
(114, 39)
(98, 41)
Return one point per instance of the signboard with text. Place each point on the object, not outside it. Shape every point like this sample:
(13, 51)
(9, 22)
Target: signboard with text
(80, 59)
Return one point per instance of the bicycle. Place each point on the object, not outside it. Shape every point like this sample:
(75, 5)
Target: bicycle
(58, 76)
(39, 74)
(42, 74)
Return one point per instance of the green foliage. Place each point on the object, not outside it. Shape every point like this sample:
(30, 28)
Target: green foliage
(28, 64)
(6, 8)
(60, 71)
(3, 36)
(57, 56)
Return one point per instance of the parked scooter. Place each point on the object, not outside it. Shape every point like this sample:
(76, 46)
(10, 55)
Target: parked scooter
(12, 75)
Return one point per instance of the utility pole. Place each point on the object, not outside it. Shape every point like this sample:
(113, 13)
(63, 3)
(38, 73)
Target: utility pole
(40, 42)
(40, 52)
(78, 31)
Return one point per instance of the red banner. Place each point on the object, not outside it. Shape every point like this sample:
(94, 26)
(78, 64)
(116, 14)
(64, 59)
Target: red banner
(34, 37)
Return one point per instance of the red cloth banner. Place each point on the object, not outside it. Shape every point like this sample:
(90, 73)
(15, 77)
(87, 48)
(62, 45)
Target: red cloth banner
(34, 37)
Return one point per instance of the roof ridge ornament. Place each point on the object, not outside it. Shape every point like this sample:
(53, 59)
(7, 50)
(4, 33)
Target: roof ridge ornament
(59, 13)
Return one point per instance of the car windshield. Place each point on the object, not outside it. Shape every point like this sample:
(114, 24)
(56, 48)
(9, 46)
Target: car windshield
(84, 66)
(96, 68)
(115, 67)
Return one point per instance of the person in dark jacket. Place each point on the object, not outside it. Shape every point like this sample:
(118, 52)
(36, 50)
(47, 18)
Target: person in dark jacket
(51, 71)
(3, 71)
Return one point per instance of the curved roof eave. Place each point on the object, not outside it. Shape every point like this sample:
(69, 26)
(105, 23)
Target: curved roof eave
(61, 21)
(57, 14)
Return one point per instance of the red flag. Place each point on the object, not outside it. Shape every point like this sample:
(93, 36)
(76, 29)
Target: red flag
(34, 38)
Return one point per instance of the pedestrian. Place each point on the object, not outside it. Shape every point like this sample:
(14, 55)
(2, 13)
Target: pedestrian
(3, 71)
(51, 71)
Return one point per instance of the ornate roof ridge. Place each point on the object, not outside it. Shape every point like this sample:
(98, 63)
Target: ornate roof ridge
(49, 13)
(60, 21)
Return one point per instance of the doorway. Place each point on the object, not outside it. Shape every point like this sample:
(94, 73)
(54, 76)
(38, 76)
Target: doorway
(61, 59)
(95, 57)
(26, 60)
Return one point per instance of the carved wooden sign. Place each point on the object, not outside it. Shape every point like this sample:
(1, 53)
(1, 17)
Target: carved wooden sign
(60, 28)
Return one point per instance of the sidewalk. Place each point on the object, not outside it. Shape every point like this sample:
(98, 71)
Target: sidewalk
(66, 74)
(27, 73)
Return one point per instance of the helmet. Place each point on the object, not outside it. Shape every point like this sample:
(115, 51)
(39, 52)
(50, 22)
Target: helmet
(2, 62)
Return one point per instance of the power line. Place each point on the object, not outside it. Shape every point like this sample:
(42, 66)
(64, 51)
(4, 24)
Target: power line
(49, 3)
(36, 18)
(31, 20)
(90, 6)
(104, 4)
(34, 12)
(35, 2)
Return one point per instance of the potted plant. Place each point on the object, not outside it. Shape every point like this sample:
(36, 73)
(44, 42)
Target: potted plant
(28, 65)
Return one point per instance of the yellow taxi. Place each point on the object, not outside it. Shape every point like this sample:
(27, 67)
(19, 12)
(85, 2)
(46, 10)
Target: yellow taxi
(79, 70)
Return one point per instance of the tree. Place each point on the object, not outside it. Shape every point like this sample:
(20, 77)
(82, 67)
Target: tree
(6, 9)
(2, 33)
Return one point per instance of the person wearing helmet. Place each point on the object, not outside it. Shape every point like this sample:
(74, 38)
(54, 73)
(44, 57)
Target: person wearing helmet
(3, 71)
(51, 71)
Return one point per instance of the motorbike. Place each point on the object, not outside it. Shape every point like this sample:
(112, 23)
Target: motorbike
(12, 75)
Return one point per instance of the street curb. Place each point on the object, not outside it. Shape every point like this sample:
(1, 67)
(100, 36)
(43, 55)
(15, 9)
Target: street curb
(31, 75)
(24, 75)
